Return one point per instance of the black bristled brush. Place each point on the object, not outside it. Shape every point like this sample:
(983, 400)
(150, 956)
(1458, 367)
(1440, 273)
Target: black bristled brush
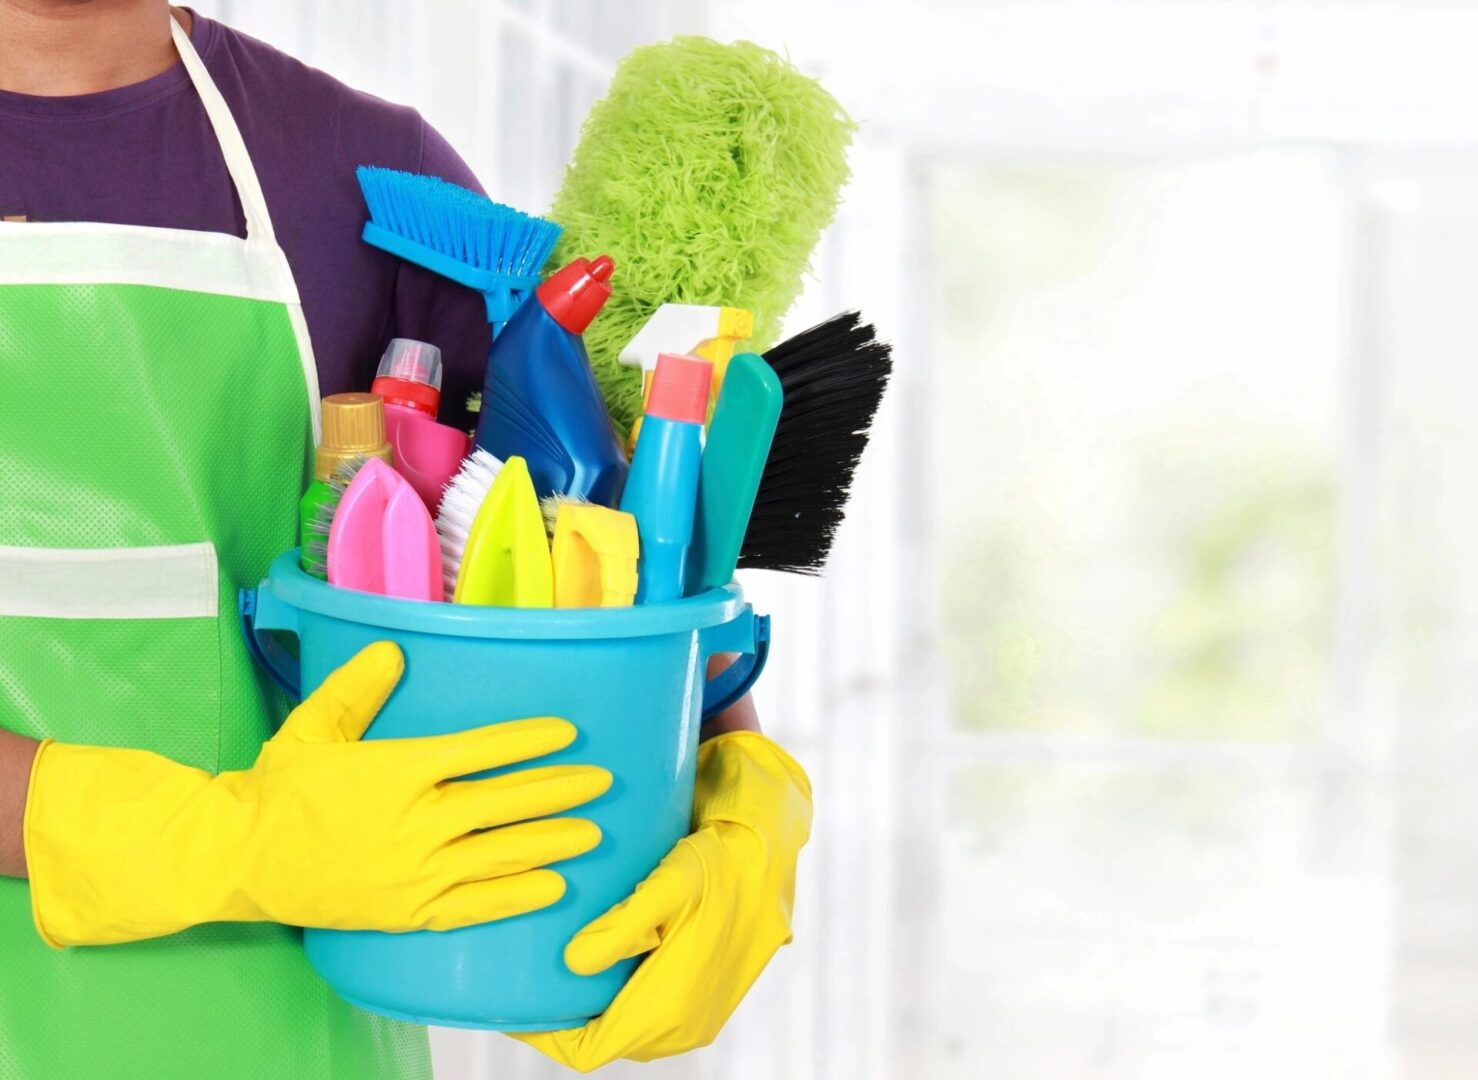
(833, 377)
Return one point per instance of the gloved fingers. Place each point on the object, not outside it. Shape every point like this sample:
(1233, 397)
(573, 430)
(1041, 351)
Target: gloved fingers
(341, 709)
(648, 1020)
(495, 745)
(590, 955)
(636, 925)
(514, 849)
(487, 901)
(577, 1048)
(520, 796)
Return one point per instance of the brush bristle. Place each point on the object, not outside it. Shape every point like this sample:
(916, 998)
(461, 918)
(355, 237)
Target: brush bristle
(833, 377)
(314, 556)
(459, 505)
(344, 474)
(549, 506)
(460, 224)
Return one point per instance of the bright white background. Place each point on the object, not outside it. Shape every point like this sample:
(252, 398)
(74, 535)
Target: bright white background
(1140, 698)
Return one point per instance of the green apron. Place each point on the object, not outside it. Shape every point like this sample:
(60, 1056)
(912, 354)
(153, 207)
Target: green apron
(157, 397)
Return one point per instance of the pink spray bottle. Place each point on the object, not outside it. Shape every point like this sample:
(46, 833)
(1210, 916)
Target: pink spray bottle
(427, 454)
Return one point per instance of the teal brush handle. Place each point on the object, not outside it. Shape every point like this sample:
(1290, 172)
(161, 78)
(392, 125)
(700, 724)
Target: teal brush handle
(739, 438)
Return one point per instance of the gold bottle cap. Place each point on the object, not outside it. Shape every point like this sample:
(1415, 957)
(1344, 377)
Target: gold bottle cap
(353, 428)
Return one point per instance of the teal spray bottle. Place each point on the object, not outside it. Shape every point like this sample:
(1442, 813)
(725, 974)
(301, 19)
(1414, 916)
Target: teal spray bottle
(662, 491)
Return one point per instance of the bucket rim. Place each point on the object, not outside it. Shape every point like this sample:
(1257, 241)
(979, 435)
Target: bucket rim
(292, 586)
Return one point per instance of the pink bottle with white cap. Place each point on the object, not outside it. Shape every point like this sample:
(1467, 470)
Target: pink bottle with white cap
(427, 454)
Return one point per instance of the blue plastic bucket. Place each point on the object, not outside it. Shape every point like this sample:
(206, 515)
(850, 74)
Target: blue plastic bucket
(630, 679)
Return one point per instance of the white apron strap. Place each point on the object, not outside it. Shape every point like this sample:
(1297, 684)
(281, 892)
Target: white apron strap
(259, 232)
(238, 161)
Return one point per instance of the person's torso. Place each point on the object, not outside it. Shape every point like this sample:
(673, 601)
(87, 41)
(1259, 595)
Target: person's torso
(145, 155)
(156, 427)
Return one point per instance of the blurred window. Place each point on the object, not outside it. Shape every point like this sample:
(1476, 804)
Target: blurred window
(1137, 424)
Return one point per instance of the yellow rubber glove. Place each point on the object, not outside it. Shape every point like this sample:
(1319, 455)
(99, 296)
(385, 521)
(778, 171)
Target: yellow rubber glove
(323, 831)
(712, 914)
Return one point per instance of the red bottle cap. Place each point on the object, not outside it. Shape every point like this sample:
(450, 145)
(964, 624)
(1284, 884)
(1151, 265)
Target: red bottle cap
(424, 399)
(680, 388)
(574, 294)
(410, 375)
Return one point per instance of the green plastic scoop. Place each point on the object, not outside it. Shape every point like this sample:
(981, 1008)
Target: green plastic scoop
(739, 437)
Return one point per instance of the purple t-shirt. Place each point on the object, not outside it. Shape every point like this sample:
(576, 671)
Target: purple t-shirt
(145, 155)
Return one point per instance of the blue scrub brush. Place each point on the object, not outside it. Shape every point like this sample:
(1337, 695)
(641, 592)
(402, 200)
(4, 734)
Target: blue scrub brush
(459, 234)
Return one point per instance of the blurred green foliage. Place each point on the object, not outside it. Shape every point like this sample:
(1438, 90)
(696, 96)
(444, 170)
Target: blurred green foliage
(1206, 613)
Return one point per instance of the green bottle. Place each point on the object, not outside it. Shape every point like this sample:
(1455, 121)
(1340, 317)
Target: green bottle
(353, 432)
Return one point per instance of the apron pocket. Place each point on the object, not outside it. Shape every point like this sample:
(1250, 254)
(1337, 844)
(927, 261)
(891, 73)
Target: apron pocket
(113, 647)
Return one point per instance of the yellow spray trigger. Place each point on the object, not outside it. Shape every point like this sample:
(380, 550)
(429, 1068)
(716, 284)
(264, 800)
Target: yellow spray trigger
(705, 330)
(735, 325)
(595, 553)
(506, 561)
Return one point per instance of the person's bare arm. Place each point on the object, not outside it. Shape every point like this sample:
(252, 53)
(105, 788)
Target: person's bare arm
(16, 753)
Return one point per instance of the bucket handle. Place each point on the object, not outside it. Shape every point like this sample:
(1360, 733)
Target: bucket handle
(262, 611)
(749, 634)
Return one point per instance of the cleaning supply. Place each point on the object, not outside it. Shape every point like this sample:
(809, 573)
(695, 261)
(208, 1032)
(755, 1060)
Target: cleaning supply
(427, 454)
(319, 521)
(322, 831)
(832, 377)
(705, 330)
(595, 557)
(409, 377)
(459, 234)
(739, 437)
(383, 540)
(663, 486)
(464, 497)
(506, 559)
(540, 400)
(353, 430)
(632, 680)
(550, 506)
(708, 172)
(710, 917)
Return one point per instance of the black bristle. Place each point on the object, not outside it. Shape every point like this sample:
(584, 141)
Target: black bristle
(833, 377)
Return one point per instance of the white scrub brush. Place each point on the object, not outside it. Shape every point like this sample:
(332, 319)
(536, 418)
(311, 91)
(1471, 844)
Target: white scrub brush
(464, 497)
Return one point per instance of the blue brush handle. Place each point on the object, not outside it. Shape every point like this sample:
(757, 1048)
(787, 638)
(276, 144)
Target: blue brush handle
(503, 292)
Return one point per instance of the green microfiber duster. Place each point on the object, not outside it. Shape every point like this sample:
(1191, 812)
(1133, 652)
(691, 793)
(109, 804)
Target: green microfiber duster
(707, 172)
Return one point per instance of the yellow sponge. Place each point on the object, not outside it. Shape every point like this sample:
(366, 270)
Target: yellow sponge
(595, 553)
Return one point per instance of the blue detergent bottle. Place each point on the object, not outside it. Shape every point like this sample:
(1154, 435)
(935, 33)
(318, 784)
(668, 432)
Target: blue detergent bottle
(540, 400)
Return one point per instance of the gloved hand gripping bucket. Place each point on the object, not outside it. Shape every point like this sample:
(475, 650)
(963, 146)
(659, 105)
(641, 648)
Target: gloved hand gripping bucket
(630, 679)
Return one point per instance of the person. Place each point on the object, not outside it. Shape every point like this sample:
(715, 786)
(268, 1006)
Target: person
(181, 278)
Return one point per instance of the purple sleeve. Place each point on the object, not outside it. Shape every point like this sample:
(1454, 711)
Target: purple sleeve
(431, 308)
